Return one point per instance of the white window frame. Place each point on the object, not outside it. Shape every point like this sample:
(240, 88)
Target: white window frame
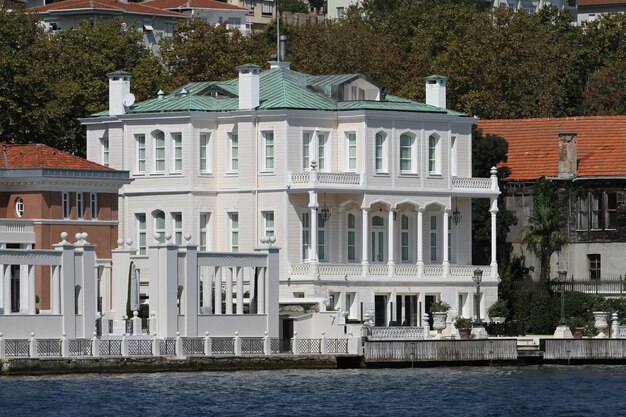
(434, 154)
(142, 232)
(381, 153)
(156, 228)
(269, 223)
(140, 146)
(412, 157)
(177, 151)
(267, 7)
(93, 205)
(65, 205)
(317, 150)
(323, 240)
(405, 239)
(177, 227)
(305, 235)
(104, 144)
(269, 150)
(307, 137)
(352, 231)
(233, 231)
(158, 137)
(205, 157)
(351, 151)
(433, 252)
(80, 206)
(19, 207)
(203, 242)
(233, 152)
(454, 155)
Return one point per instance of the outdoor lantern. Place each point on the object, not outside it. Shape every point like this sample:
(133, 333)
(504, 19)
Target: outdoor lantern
(457, 216)
(478, 276)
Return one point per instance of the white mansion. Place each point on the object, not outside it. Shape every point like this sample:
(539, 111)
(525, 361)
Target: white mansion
(367, 195)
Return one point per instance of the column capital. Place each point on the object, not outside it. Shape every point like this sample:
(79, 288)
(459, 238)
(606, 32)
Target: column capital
(446, 211)
(421, 210)
(365, 209)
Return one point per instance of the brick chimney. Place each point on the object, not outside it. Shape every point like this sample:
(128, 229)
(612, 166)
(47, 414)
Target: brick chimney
(568, 163)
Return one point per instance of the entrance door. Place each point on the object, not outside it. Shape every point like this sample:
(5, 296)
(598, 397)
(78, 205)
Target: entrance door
(286, 333)
(380, 310)
(377, 243)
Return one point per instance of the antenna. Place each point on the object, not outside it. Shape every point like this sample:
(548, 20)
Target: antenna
(277, 32)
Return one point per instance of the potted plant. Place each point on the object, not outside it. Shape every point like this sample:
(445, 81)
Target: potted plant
(577, 325)
(464, 326)
(601, 315)
(439, 311)
(498, 311)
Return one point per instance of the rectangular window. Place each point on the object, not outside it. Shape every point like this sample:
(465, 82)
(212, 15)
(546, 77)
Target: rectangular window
(104, 144)
(140, 140)
(351, 237)
(159, 151)
(596, 210)
(268, 152)
(234, 152)
(306, 237)
(321, 151)
(583, 212)
(406, 153)
(268, 223)
(340, 12)
(321, 237)
(379, 161)
(204, 231)
(404, 238)
(79, 206)
(65, 205)
(306, 150)
(611, 210)
(205, 152)
(433, 238)
(234, 231)
(177, 228)
(177, 142)
(159, 224)
(434, 160)
(351, 151)
(141, 233)
(454, 162)
(449, 240)
(594, 266)
(94, 206)
(268, 7)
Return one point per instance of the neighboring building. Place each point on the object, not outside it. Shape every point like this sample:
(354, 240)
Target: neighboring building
(338, 8)
(43, 192)
(154, 22)
(368, 195)
(591, 9)
(212, 11)
(262, 12)
(585, 156)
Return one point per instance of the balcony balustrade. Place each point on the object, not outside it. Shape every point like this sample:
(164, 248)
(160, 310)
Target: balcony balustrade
(326, 270)
(17, 231)
(313, 178)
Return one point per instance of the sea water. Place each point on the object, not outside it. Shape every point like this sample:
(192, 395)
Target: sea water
(460, 391)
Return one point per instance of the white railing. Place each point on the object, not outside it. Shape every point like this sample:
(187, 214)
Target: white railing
(406, 270)
(468, 270)
(300, 178)
(469, 182)
(328, 178)
(340, 269)
(389, 333)
(378, 269)
(620, 333)
(436, 270)
(15, 226)
(400, 270)
(300, 269)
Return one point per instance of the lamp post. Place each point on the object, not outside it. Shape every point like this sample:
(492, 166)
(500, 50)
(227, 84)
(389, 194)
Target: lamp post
(562, 331)
(478, 330)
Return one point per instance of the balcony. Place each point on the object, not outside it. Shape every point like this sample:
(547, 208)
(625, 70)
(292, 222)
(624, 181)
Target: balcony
(17, 231)
(473, 183)
(309, 179)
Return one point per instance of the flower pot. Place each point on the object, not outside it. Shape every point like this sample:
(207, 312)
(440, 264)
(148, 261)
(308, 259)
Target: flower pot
(464, 334)
(601, 323)
(498, 320)
(578, 332)
(439, 322)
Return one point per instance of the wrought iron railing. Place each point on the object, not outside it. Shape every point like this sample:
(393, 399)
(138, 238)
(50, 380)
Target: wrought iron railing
(606, 287)
(222, 346)
(110, 347)
(337, 345)
(280, 345)
(310, 345)
(17, 348)
(167, 347)
(49, 347)
(193, 346)
(140, 347)
(252, 345)
(80, 347)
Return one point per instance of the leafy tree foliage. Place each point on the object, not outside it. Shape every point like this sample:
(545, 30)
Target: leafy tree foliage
(293, 6)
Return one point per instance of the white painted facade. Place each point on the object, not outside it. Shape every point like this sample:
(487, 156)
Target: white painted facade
(230, 178)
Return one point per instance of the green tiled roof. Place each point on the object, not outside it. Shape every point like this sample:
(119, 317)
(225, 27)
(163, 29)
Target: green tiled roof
(279, 88)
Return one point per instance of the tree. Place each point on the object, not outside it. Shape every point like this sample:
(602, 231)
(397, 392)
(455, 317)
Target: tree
(544, 234)
(293, 6)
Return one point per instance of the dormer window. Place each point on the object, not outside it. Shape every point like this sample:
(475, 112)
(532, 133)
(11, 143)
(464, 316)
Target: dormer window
(356, 93)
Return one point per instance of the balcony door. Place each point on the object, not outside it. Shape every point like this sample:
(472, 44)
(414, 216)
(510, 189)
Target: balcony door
(377, 243)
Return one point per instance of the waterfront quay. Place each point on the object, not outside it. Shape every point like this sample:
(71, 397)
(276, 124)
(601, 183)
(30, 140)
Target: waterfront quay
(375, 354)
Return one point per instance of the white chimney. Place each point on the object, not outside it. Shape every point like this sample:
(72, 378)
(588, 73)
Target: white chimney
(119, 89)
(436, 90)
(248, 86)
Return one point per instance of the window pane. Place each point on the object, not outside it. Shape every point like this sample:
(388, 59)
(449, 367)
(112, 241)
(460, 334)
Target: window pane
(306, 143)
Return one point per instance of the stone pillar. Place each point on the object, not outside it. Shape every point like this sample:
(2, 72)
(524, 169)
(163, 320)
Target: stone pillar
(2, 351)
(120, 268)
(494, 263)
(65, 288)
(295, 345)
(420, 242)
(55, 297)
(426, 326)
(261, 291)
(446, 261)
(364, 239)
(65, 348)
(239, 290)
(190, 293)
(33, 346)
(6, 289)
(614, 326)
(207, 284)
(391, 247)
(267, 344)
(2, 292)
(125, 345)
(178, 343)
(271, 290)
(156, 348)
(86, 278)
(95, 346)
(229, 290)
(105, 288)
(324, 344)
(237, 344)
(136, 324)
(207, 344)
(218, 290)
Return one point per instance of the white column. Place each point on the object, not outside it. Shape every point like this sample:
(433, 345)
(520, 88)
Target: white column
(229, 291)
(445, 263)
(6, 285)
(420, 242)
(105, 288)
(218, 290)
(207, 285)
(391, 247)
(313, 227)
(494, 211)
(31, 290)
(260, 305)
(240, 290)
(55, 300)
(364, 235)
(2, 246)
(341, 232)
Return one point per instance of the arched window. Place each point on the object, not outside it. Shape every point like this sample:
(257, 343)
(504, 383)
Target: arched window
(408, 159)
(380, 153)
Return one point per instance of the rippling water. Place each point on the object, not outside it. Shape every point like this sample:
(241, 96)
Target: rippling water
(470, 391)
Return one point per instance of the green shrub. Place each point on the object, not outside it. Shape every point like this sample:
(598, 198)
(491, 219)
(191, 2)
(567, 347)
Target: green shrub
(498, 309)
(462, 323)
(439, 307)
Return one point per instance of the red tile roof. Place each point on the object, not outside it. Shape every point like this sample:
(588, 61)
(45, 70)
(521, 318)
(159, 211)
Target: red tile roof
(37, 155)
(132, 8)
(534, 146)
(193, 4)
